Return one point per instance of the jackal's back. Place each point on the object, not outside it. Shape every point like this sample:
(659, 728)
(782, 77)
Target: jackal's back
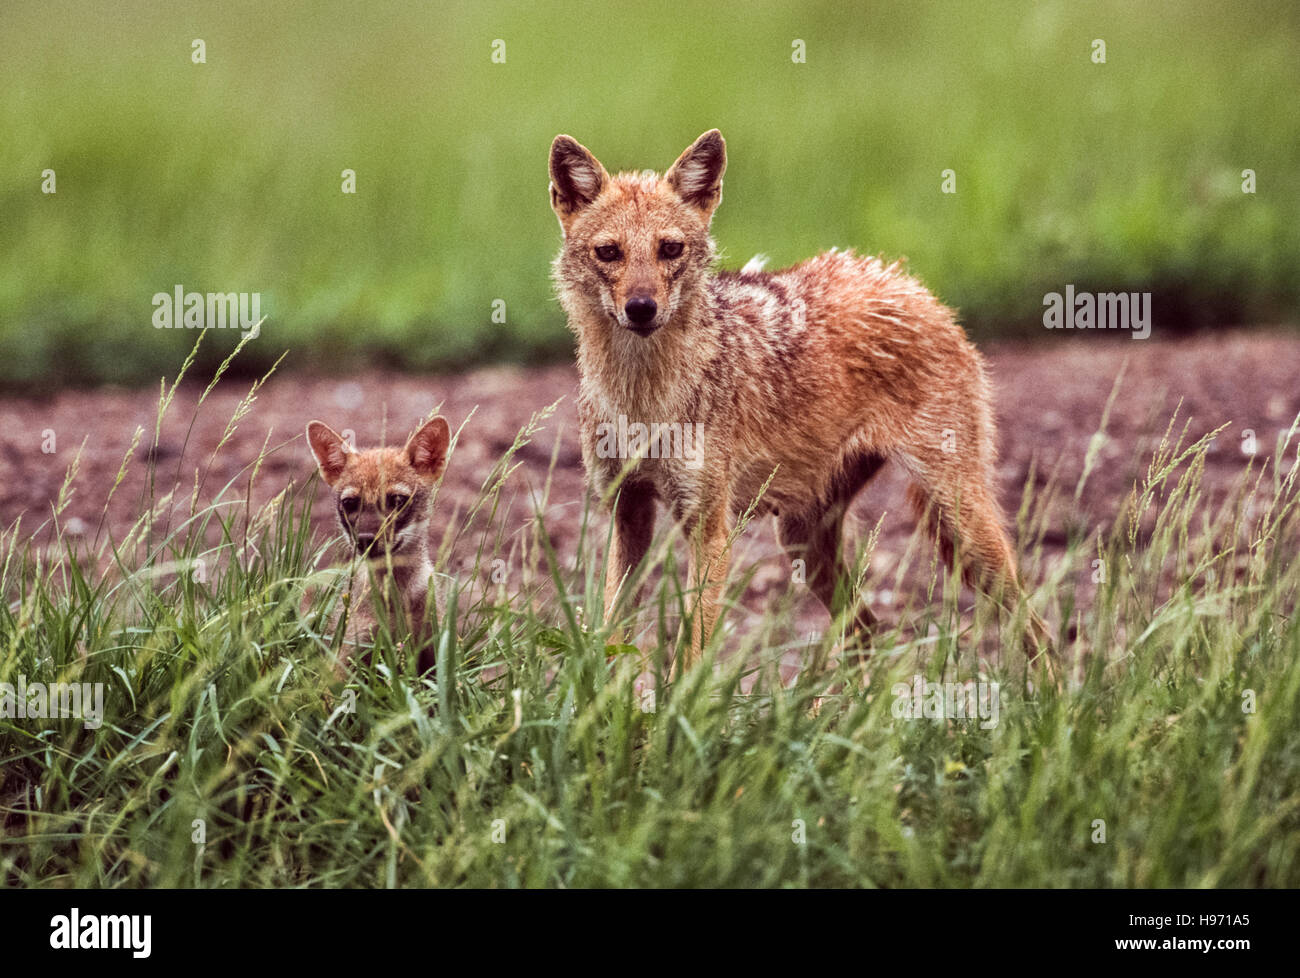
(839, 356)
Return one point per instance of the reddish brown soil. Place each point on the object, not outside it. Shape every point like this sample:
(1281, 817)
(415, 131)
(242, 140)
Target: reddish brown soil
(1050, 399)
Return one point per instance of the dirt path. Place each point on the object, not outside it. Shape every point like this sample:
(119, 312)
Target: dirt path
(1050, 399)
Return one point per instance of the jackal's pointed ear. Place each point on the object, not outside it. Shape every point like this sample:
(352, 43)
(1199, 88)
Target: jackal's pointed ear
(427, 448)
(330, 449)
(577, 178)
(697, 174)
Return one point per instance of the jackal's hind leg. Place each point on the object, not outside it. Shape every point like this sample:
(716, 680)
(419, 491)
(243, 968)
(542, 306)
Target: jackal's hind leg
(815, 537)
(968, 529)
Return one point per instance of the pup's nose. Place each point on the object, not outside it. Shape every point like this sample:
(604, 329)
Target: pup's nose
(364, 540)
(640, 309)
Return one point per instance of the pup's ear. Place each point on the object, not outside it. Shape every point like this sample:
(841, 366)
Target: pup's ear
(577, 178)
(427, 448)
(331, 451)
(697, 174)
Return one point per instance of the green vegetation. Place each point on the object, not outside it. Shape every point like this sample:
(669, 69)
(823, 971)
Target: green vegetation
(226, 176)
(527, 760)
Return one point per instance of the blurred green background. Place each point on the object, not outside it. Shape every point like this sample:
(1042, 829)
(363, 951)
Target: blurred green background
(226, 176)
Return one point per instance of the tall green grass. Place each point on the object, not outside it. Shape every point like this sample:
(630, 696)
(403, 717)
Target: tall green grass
(228, 756)
(226, 176)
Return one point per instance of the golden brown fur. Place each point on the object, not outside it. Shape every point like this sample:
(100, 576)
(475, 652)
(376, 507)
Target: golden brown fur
(382, 497)
(819, 373)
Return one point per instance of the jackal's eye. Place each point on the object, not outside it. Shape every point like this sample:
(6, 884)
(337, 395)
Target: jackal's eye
(670, 249)
(397, 500)
(610, 252)
(350, 505)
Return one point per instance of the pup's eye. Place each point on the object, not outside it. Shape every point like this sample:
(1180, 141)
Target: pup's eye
(670, 249)
(609, 253)
(396, 500)
(351, 504)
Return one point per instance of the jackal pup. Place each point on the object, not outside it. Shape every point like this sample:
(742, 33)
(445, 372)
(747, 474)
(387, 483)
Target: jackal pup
(820, 373)
(383, 499)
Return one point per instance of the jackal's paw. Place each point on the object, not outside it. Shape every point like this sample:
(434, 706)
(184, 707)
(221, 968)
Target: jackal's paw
(643, 687)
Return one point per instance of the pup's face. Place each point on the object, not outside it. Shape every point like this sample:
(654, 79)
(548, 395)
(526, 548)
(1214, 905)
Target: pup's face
(636, 244)
(382, 494)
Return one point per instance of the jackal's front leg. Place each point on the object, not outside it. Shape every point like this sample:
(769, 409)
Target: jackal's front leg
(708, 570)
(633, 527)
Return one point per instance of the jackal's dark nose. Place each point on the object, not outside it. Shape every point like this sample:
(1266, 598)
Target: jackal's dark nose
(640, 309)
(364, 540)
